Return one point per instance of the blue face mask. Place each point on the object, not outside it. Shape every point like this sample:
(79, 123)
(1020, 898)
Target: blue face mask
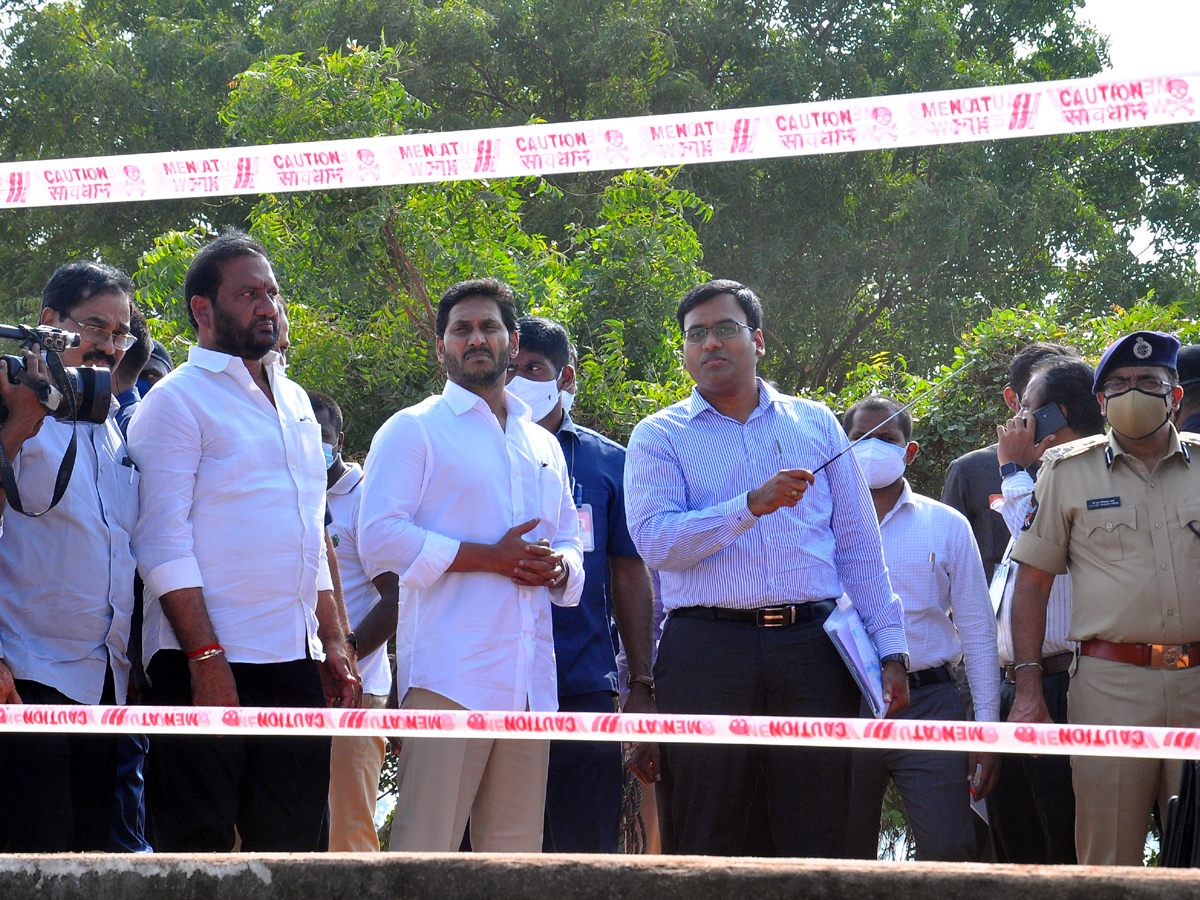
(329, 455)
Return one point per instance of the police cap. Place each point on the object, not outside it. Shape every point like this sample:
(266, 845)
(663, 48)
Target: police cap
(1142, 348)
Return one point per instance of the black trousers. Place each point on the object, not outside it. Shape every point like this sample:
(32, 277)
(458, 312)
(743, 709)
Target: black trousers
(584, 782)
(707, 791)
(56, 790)
(274, 789)
(1033, 806)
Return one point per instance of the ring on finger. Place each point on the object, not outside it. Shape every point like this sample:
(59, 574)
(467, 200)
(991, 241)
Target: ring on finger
(795, 495)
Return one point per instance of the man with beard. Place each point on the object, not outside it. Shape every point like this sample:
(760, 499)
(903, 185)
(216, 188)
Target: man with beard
(64, 627)
(240, 607)
(468, 501)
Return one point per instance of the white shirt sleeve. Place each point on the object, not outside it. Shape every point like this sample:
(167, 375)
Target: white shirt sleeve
(567, 542)
(164, 442)
(388, 538)
(975, 621)
(1017, 488)
(324, 575)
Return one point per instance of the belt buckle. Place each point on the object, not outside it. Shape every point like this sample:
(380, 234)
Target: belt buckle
(1170, 656)
(775, 616)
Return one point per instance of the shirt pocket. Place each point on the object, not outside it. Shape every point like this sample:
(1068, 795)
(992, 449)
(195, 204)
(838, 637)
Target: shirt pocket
(1113, 532)
(1189, 521)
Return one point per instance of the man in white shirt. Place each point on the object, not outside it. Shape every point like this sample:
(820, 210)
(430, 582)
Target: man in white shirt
(64, 626)
(468, 501)
(1033, 808)
(239, 601)
(356, 762)
(935, 568)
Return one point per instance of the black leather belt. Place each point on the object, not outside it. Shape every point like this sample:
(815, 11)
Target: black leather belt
(926, 677)
(763, 616)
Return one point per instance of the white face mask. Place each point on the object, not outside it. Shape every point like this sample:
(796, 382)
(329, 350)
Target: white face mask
(540, 396)
(881, 463)
(568, 401)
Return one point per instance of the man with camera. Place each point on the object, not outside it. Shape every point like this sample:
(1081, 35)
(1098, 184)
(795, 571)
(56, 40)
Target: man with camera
(64, 628)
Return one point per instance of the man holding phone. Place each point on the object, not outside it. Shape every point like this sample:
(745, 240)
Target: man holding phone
(1033, 808)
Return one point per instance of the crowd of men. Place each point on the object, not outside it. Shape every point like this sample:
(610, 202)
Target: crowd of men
(212, 547)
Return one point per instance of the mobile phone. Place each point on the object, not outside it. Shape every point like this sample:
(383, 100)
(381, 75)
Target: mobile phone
(1047, 420)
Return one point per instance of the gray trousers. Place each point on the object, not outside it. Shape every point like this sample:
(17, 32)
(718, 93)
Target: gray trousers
(933, 785)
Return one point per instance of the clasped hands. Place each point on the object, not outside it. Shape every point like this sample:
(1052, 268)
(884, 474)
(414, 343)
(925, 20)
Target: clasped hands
(526, 563)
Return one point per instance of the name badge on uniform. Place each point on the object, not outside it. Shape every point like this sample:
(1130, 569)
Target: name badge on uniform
(1104, 503)
(587, 534)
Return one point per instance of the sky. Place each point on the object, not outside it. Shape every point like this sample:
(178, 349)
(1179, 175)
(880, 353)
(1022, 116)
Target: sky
(1148, 37)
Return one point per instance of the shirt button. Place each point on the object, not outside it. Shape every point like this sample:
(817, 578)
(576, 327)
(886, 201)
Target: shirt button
(1158, 524)
(1108, 526)
(1152, 484)
(1164, 567)
(1170, 612)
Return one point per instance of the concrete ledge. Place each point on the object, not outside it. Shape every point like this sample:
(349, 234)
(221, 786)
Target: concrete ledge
(393, 876)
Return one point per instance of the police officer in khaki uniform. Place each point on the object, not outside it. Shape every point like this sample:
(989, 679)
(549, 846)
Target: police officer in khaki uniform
(1122, 514)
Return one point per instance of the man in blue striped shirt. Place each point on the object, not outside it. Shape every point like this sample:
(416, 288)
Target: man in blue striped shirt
(753, 547)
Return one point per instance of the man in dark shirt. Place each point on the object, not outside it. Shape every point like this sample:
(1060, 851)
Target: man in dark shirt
(583, 792)
(974, 478)
(1188, 416)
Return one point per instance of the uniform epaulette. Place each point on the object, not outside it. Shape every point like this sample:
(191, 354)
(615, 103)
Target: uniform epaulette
(1074, 448)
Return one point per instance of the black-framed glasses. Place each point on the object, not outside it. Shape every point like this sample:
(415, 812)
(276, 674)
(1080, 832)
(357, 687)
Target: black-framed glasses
(1150, 384)
(100, 336)
(722, 331)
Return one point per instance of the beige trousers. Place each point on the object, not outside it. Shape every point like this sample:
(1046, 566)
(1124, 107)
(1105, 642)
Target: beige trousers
(500, 785)
(354, 767)
(1114, 797)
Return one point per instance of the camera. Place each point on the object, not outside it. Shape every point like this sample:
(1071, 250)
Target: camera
(89, 388)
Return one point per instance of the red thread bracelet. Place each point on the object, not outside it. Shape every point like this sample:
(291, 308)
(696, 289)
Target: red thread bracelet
(195, 654)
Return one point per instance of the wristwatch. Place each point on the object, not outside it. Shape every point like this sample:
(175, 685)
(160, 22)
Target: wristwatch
(901, 658)
(1009, 468)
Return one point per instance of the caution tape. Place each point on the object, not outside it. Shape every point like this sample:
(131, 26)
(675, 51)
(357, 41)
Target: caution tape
(996, 737)
(801, 129)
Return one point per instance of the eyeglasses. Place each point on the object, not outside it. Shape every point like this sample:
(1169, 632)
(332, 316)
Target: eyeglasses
(1150, 384)
(723, 331)
(100, 336)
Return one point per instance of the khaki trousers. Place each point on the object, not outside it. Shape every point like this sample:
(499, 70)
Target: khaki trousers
(500, 785)
(354, 767)
(1114, 797)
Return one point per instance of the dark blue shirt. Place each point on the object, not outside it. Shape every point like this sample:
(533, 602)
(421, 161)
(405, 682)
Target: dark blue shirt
(584, 635)
(127, 402)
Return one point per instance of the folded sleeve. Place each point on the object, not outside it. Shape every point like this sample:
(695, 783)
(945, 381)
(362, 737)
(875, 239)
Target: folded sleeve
(165, 444)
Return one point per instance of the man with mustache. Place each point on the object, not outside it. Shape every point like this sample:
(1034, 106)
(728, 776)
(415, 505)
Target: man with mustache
(64, 628)
(468, 501)
(726, 497)
(240, 609)
(1121, 513)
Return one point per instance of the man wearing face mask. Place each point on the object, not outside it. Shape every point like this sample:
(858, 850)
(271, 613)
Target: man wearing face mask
(354, 762)
(934, 566)
(1187, 417)
(583, 791)
(1120, 513)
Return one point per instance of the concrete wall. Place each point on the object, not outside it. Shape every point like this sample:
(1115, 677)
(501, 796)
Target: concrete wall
(508, 877)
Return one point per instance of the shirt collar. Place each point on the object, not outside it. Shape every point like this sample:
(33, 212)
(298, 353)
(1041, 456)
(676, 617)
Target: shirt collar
(349, 480)
(216, 361)
(461, 400)
(905, 499)
(767, 395)
(1115, 450)
(568, 425)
